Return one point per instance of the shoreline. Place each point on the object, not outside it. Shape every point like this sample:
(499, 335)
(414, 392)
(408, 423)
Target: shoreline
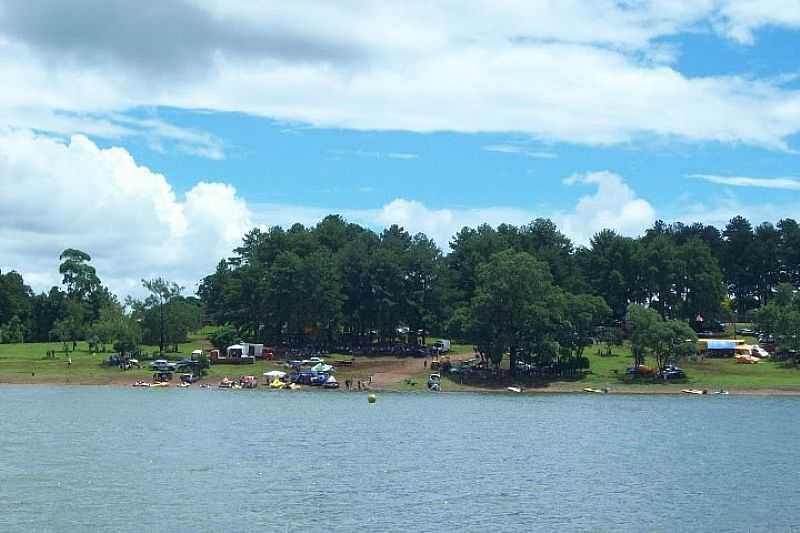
(578, 390)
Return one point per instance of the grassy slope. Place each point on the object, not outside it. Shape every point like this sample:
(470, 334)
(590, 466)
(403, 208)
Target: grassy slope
(19, 361)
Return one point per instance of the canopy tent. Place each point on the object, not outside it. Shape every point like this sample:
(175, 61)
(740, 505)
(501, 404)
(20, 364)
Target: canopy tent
(322, 367)
(275, 374)
(721, 344)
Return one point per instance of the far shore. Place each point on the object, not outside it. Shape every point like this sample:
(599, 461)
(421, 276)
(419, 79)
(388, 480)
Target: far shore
(557, 388)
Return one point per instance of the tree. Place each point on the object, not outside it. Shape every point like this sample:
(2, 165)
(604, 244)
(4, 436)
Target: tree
(611, 268)
(118, 329)
(223, 337)
(667, 341)
(583, 314)
(79, 276)
(70, 328)
(15, 298)
(737, 262)
(161, 293)
(515, 306)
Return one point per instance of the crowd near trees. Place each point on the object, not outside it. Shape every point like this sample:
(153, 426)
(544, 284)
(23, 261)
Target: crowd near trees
(523, 291)
(83, 309)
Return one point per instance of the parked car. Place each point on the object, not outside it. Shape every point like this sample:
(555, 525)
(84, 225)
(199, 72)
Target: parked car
(672, 372)
(185, 364)
(162, 365)
(745, 331)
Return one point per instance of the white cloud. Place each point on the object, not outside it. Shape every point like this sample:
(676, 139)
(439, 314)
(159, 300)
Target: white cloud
(613, 205)
(791, 184)
(371, 154)
(739, 19)
(58, 195)
(515, 149)
(577, 71)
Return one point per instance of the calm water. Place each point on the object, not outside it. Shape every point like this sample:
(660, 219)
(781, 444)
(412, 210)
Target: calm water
(117, 459)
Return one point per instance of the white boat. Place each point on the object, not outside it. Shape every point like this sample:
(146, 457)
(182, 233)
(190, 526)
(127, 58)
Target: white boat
(514, 389)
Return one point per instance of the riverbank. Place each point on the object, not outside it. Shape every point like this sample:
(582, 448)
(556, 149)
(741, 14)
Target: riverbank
(29, 364)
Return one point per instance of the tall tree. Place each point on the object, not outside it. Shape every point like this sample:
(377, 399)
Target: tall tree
(516, 306)
(737, 262)
(162, 292)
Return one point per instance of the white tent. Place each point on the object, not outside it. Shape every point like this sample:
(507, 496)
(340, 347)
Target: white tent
(275, 374)
(322, 367)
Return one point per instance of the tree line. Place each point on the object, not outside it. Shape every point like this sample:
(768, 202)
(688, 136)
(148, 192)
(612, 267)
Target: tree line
(508, 289)
(83, 309)
(338, 279)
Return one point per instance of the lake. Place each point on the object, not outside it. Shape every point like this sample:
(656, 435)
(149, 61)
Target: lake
(131, 460)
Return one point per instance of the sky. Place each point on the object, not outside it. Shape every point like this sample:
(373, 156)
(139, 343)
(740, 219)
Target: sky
(153, 135)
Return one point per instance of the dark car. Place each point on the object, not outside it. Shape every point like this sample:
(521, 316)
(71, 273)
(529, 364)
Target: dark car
(672, 372)
(745, 331)
(185, 364)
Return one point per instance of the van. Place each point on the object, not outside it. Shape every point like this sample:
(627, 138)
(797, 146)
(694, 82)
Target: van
(442, 345)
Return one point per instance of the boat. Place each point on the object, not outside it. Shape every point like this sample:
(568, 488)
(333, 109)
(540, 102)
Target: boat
(331, 383)
(141, 383)
(594, 390)
(514, 389)
(183, 385)
(294, 386)
(694, 391)
(226, 383)
(721, 391)
(159, 384)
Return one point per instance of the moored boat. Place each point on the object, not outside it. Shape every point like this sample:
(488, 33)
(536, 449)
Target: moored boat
(694, 391)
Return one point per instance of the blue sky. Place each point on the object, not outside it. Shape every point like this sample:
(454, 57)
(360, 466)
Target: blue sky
(192, 122)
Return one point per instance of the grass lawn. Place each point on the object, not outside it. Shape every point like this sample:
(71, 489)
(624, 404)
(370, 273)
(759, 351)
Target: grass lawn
(702, 373)
(27, 363)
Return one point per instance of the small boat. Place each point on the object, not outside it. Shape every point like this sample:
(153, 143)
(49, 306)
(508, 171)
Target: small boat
(596, 391)
(183, 385)
(331, 383)
(294, 386)
(226, 383)
(141, 383)
(514, 389)
(694, 391)
(159, 384)
(721, 391)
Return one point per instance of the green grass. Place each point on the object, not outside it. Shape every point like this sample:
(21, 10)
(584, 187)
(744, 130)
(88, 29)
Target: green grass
(27, 363)
(702, 373)
(23, 363)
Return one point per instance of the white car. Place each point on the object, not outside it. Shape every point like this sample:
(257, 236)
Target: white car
(162, 365)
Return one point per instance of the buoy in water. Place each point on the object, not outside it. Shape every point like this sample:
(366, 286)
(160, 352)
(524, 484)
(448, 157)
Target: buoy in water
(372, 398)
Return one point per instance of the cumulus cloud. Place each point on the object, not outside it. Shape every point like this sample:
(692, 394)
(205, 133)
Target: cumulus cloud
(58, 195)
(614, 205)
(590, 72)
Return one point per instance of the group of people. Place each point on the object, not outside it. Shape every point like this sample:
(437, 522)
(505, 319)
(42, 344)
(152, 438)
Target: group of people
(358, 385)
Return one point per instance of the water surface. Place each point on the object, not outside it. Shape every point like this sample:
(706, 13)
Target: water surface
(130, 460)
